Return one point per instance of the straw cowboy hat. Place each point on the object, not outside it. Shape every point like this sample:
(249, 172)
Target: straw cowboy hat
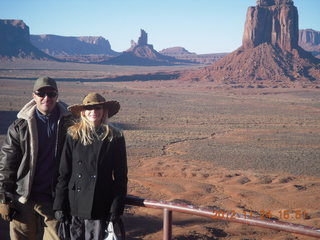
(95, 99)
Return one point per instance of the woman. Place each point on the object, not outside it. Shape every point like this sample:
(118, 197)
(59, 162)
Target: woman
(92, 182)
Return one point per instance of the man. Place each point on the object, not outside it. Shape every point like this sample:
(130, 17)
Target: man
(29, 162)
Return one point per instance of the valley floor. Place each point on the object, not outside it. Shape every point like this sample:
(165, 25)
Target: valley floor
(191, 142)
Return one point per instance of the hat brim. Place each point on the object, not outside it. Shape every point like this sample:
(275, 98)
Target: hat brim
(46, 86)
(113, 108)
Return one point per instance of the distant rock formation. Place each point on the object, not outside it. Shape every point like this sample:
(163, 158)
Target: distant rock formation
(143, 54)
(269, 56)
(15, 42)
(72, 46)
(176, 51)
(184, 54)
(309, 40)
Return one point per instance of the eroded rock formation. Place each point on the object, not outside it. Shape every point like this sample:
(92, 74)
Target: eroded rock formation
(72, 46)
(142, 53)
(269, 56)
(309, 40)
(15, 41)
(273, 22)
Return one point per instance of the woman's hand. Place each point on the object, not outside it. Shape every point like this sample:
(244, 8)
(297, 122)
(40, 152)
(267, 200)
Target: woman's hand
(113, 217)
(62, 216)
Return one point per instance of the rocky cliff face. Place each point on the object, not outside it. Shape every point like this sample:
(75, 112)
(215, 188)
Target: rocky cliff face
(273, 22)
(309, 40)
(15, 41)
(72, 46)
(269, 56)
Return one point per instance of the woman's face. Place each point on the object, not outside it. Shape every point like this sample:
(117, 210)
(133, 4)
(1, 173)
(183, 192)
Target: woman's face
(94, 114)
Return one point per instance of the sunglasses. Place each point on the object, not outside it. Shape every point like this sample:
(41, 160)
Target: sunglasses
(93, 107)
(48, 94)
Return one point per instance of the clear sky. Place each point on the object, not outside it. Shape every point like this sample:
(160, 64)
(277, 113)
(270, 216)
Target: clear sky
(200, 26)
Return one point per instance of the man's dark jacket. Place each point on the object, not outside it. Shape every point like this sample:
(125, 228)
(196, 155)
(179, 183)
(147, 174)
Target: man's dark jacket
(93, 179)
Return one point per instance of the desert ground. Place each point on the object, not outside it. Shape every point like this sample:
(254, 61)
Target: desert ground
(254, 150)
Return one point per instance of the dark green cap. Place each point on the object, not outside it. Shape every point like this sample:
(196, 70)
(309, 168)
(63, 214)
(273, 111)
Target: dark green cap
(42, 82)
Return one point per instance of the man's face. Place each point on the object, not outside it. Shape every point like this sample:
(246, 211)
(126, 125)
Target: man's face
(46, 99)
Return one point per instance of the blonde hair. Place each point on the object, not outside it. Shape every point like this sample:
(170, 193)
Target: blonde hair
(85, 131)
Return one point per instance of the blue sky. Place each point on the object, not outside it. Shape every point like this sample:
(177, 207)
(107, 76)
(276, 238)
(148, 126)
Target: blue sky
(201, 26)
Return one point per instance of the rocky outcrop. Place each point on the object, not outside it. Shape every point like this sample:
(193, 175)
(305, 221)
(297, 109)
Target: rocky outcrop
(143, 54)
(15, 41)
(269, 56)
(72, 46)
(309, 40)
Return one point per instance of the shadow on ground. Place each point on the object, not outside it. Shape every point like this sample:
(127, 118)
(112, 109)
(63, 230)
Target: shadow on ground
(139, 226)
(127, 78)
(4, 230)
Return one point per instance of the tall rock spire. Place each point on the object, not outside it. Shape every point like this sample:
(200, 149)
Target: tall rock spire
(143, 39)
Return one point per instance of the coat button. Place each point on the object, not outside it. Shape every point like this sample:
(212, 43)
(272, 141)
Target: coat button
(93, 176)
(79, 162)
(79, 175)
(78, 189)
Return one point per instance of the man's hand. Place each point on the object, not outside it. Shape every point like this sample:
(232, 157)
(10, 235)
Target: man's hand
(6, 211)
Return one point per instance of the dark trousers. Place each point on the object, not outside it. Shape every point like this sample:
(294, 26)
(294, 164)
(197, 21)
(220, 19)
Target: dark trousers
(84, 229)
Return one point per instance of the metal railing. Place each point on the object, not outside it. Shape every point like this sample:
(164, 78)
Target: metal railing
(169, 207)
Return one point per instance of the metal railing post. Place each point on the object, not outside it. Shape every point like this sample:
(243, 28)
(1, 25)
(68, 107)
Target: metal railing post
(167, 224)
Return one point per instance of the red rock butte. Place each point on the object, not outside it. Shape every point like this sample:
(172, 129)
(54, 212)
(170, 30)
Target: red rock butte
(269, 56)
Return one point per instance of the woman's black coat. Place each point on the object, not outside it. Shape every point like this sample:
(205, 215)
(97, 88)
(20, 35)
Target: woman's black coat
(93, 179)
